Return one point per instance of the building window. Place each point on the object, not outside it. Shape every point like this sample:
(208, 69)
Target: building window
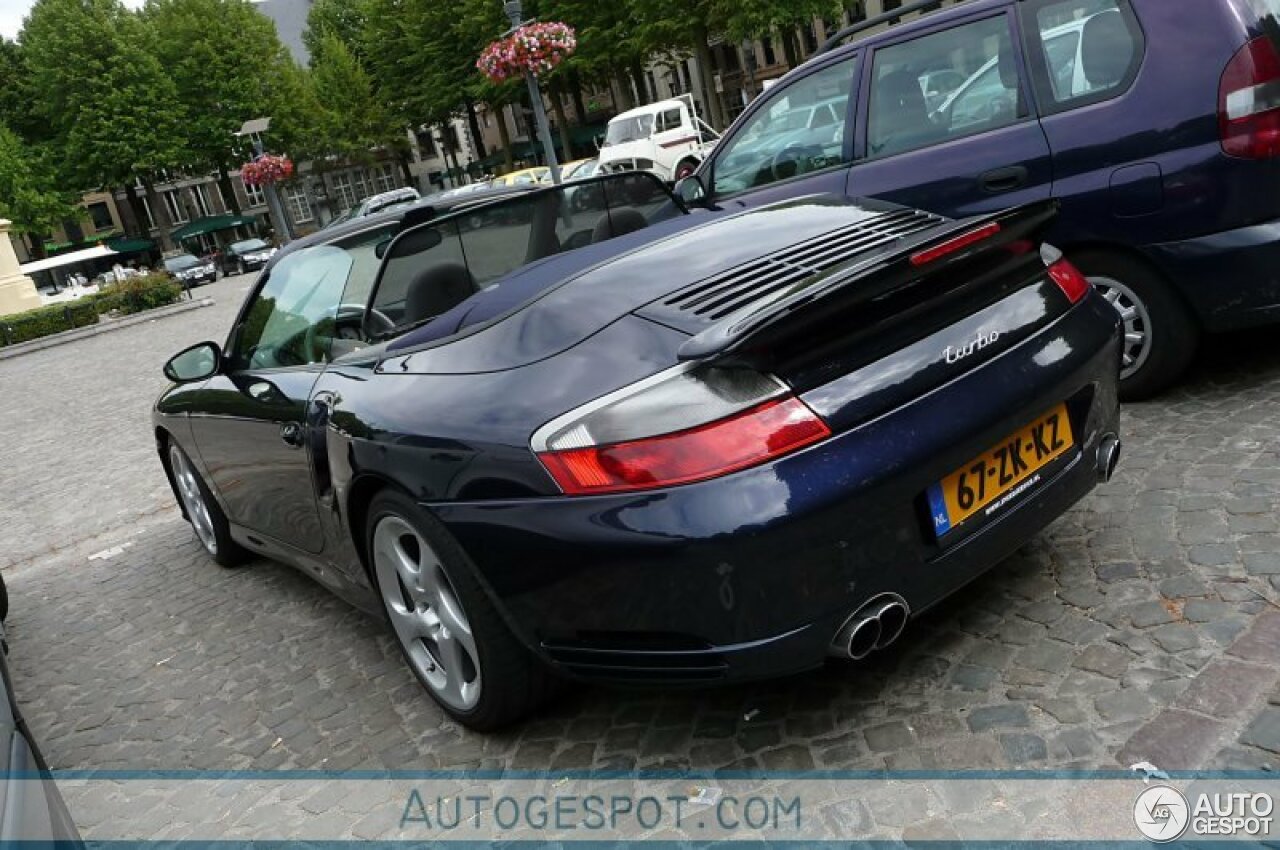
(345, 194)
(151, 219)
(385, 177)
(201, 194)
(299, 209)
(255, 195)
(770, 58)
(427, 141)
(173, 203)
(222, 197)
(363, 187)
(100, 213)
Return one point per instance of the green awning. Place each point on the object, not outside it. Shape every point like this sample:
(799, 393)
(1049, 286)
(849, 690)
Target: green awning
(130, 245)
(210, 224)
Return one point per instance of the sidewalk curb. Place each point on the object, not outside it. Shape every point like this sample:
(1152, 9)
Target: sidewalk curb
(101, 328)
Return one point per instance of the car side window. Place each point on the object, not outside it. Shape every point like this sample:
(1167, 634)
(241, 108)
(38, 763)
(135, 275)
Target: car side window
(1082, 51)
(783, 139)
(295, 316)
(669, 120)
(907, 110)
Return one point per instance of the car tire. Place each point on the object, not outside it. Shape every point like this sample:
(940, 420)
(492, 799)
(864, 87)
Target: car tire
(1161, 335)
(448, 630)
(4, 600)
(203, 511)
(685, 169)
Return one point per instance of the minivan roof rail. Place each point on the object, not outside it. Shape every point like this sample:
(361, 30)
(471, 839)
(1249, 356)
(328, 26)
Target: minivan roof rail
(896, 15)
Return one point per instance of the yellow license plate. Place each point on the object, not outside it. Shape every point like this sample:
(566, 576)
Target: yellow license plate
(999, 475)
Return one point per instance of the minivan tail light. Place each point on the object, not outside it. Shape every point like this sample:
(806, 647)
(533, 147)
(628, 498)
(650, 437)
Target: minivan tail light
(685, 425)
(1069, 279)
(1249, 102)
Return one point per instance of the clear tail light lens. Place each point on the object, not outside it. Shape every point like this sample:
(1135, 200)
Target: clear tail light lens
(1249, 102)
(682, 426)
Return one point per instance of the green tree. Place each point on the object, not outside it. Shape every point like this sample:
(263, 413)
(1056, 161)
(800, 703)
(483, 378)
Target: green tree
(345, 19)
(225, 60)
(113, 112)
(354, 122)
(28, 196)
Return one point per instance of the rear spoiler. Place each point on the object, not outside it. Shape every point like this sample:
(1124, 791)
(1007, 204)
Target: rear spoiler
(758, 326)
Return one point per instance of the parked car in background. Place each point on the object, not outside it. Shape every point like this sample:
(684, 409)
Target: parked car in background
(666, 138)
(33, 813)
(523, 177)
(579, 169)
(247, 256)
(1156, 124)
(191, 270)
(635, 444)
(378, 203)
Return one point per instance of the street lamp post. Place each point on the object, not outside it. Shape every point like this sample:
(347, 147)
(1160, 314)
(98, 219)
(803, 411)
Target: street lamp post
(254, 130)
(515, 13)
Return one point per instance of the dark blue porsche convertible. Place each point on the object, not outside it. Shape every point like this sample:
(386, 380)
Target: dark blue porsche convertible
(624, 441)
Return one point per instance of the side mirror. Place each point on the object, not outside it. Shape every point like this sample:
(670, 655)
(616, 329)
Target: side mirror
(197, 363)
(691, 191)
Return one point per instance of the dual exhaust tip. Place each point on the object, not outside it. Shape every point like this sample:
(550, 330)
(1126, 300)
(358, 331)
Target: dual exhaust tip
(874, 626)
(882, 620)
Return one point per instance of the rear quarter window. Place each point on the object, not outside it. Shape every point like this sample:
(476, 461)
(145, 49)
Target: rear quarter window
(1082, 51)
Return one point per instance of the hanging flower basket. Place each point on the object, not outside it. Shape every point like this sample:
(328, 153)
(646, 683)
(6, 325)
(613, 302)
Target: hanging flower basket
(266, 169)
(532, 49)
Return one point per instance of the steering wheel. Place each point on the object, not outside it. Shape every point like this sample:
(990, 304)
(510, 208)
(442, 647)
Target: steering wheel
(793, 155)
(348, 316)
(356, 314)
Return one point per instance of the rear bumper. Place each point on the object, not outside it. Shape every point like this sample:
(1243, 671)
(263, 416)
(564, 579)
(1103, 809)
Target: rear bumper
(750, 576)
(1231, 279)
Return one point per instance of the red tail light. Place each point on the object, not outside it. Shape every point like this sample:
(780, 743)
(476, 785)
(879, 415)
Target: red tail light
(1069, 279)
(747, 439)
(746, 433)
(1249, 102)
(956, 245)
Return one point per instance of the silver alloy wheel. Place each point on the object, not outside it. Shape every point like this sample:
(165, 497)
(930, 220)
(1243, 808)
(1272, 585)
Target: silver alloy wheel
(1137, 323)
(193, 499)
(426, 614)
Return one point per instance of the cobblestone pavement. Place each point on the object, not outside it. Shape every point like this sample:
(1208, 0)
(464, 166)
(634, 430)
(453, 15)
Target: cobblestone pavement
(1143, 626)
(74, 463)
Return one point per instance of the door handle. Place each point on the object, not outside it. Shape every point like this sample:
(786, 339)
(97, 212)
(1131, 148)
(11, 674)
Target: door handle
(1004, 179)
(291, 433)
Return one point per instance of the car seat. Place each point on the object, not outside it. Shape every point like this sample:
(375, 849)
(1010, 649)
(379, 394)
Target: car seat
(618, 222)
(900, 115)
(436, 290)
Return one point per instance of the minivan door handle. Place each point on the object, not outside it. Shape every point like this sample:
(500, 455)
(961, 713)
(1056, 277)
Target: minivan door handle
(1004, 180)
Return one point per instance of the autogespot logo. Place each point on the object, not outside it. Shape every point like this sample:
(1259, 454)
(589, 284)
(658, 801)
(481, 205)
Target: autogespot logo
(1161, 813)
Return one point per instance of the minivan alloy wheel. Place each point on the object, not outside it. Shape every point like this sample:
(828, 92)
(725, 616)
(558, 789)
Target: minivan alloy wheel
(1136, 319)
(426, 613)
(193, 499)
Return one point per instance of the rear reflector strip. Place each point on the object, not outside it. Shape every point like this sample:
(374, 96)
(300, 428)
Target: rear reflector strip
(955, 245)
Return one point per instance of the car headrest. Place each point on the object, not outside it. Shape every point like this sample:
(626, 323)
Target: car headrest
(618, 222)
(900, 92)
(1106, 49)
(436, 290)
